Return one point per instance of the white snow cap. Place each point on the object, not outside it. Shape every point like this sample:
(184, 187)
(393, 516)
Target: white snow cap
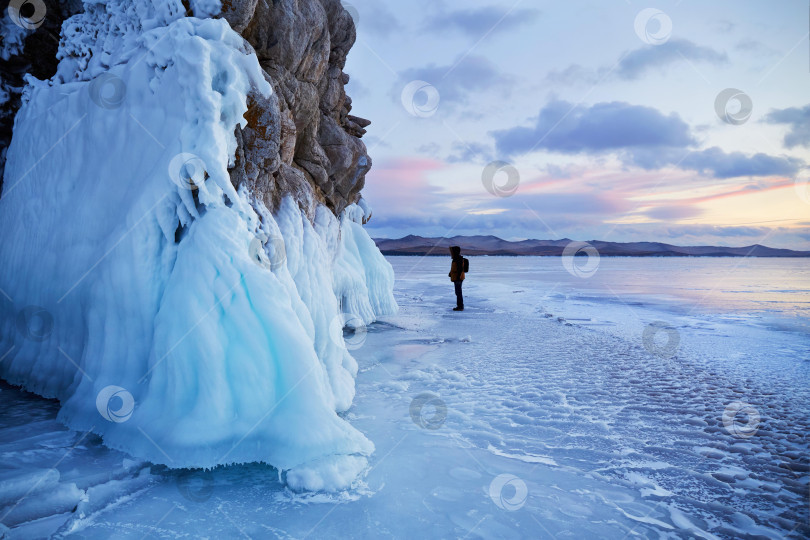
(130, 261)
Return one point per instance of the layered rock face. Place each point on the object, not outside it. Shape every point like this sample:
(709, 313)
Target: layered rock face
(301, 139)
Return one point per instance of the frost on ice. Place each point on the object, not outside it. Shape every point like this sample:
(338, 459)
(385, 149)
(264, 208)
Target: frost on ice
(130, 261)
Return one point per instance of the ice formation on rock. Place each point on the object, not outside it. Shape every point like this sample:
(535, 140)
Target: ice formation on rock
(175, 239)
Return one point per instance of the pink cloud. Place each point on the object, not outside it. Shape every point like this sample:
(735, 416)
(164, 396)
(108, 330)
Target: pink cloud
(401, 185)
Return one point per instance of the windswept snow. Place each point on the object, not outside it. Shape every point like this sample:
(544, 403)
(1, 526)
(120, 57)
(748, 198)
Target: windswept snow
(169, 314)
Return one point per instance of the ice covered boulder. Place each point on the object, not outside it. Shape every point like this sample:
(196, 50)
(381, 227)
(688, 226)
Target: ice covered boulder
(170, 271)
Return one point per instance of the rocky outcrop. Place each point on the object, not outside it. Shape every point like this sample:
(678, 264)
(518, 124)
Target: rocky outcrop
(302, 139)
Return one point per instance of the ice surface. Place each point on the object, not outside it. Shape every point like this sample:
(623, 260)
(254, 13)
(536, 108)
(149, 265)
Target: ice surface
(169, 314)
(502, 422)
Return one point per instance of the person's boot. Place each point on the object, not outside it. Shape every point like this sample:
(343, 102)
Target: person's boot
(458, 308)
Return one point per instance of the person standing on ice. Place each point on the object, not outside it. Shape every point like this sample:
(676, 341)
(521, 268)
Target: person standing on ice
(457, 270)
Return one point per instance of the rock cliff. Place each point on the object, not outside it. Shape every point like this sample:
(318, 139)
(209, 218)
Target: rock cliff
(302, 139)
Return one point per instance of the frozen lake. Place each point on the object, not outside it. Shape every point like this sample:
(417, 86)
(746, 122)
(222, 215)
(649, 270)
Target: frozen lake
(642, 398)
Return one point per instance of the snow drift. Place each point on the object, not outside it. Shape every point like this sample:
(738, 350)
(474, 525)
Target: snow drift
(169, 312)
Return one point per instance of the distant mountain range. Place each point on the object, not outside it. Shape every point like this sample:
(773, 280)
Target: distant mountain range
(492, 245)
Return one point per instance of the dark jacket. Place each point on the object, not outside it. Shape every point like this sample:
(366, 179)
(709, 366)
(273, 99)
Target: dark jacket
(457, 267)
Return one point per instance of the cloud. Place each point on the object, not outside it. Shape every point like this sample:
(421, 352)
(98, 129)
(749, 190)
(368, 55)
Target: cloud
(431, 149)
(556, 171)
(673, 212)
(798, 120)
(639, 61)
(724, 26)
(401, 186)
(456, 82)
(571, 129)
(547, 217)
(753, 46)
(717, 163)
(642, 136)
(528, 226)
(375, 18)
(477, 22)
(372, 142)
(574, 74)
(357, 90)
(469, 152)
(735, 164)
(719, 232)
(595, 206)
(731, 165)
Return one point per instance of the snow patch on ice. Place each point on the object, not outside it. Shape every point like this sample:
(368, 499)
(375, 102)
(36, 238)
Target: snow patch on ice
(327, 474)
(526, 458)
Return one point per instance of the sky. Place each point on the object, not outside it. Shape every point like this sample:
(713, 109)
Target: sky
(683, 122)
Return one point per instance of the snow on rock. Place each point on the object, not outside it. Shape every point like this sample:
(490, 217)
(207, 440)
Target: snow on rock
(13, 37)
(169, 312)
